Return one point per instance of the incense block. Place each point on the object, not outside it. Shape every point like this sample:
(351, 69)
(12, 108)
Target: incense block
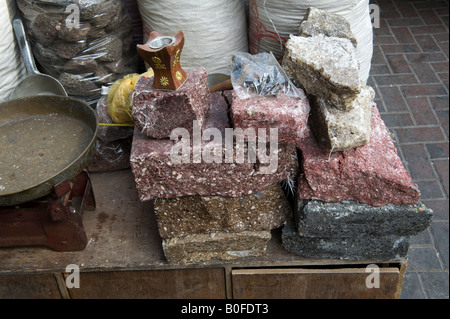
(156, 113)
(338, 130)
(289, 115)
(361, 247)
(317, 22)
(350, 219)
(325, 67)
(264, 210)
(372, 174)
(224, 246)
(207, 167)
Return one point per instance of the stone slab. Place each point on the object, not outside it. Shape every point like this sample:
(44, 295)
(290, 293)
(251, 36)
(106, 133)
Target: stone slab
(372, 174)
(223, 246)
(363, 247)
(263, 210)
(338, 130)
(347, 219)
(317, 21)
(157, 176)
(323, 66)
(156, 113)
(288, 114)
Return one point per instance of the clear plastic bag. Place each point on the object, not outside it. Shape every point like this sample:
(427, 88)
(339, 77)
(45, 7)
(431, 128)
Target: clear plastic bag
(113, 142)
(260, 75)
(85, 44)
(111, 156)
(108, 131)
(120, 97)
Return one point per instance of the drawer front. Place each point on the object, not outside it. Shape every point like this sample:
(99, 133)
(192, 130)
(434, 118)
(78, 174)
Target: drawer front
(39, 286)
(177, 283)
(314, 283)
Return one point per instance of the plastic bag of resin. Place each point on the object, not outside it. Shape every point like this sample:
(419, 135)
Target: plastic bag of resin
(111, 156)
(113, 142)
(120, 97)
(260, 75)
(85, 44)
(108, 131)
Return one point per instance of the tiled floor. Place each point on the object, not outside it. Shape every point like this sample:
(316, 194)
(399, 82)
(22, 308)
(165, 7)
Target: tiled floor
(410, 73)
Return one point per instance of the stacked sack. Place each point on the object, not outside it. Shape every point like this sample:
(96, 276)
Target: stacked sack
(213, 29)
(12, 68)
(355, 199)
(84, 44)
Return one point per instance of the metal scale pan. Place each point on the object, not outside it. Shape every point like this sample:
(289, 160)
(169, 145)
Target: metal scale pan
(44, 140)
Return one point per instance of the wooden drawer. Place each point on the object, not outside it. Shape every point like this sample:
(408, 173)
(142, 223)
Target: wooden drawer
(184, 283)
(298, 283)
(39, 286)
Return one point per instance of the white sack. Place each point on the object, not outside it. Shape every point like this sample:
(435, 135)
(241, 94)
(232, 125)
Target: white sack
(12, 68)
(213, 29)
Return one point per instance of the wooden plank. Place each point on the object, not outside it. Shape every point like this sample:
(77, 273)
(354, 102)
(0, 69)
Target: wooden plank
(42, 286)
(154, 284)
(301, 283)
(121, 233)
(61, 282)
(403, 267)
(123, 237)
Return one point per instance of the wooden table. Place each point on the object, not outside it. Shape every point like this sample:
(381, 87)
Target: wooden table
(124, 259)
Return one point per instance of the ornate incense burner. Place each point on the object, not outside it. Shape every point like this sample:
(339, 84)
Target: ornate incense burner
(162, 54)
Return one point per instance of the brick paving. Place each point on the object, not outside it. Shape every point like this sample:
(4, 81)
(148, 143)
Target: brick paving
(410, 74)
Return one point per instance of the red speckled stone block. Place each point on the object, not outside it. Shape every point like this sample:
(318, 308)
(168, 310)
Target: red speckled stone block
(372, 174)
(156, 113)
(157, 176)
(288, 114)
